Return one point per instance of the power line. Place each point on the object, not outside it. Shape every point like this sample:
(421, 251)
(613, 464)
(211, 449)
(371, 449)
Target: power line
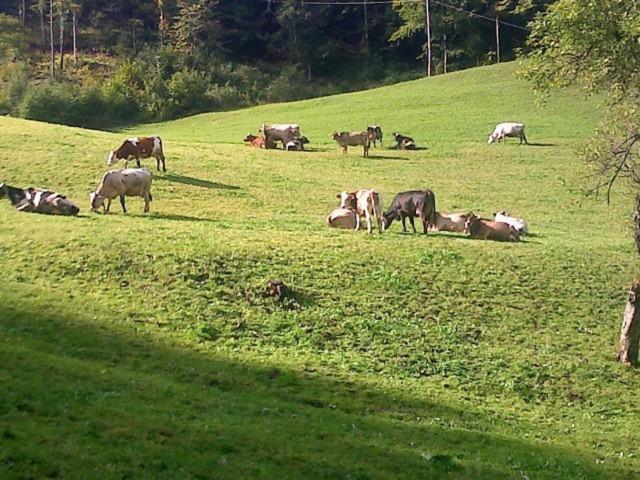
(389, 2)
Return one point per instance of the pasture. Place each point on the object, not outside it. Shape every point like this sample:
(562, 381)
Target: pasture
(141, 346)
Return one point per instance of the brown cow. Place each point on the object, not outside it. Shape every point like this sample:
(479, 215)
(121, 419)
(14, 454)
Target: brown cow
(139, 147)
(352, 139)
(254, 141)
(364, 202)
(482, 229)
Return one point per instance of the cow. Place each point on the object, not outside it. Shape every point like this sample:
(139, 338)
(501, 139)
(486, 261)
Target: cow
(352, 139)
(375, 134)
(509, 129)
(483, 229)
(411, 204)
(37, 200)
(130, 182)
(342, 218)
(364, 202)
(449, 222)
(254, 141)
(403, 143)
(518, 223)
(279, 132)
(296, 144)
(137, 147)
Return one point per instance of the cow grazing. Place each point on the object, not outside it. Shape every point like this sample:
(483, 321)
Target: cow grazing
(37, 200)
(131, 182)
(254, 141)
(482, 229)
(411, 204)
(403, 143)
(375, 134)
(509, 129)
(364, 202)
(279, 132)
(342, 218)
(138, 148)
(352, 139)
(518, 223)
(449, 222)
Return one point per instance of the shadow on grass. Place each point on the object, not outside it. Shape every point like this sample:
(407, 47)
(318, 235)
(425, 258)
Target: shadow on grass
(541, 144)
(170, 177)
(149, 407)
(171, 216)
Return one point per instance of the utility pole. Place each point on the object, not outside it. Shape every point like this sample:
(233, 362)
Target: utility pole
(427, 27)
(497, 39)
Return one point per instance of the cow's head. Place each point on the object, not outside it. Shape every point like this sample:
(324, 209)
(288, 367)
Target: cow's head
(334, 135)
(501, 212)
(303, 140)
(471, 219)
(348, 200)
(112, 159)
(397, 136)
(492, 138)
(96, 200)
(63, 206)
(249, 138)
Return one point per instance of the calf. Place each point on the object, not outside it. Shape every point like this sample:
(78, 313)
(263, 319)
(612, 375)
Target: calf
(254, 141)
(131, 182)
(509, 129)
(37, 200)
(518, 223)
(449, 222)
(364, 202)
(342, 218)
(352, 139)
(403, 143)
(375, 134)
(138, 148)
(411, 204)
(482, 229)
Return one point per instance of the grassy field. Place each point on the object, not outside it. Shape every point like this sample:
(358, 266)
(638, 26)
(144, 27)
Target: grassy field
(140, 346)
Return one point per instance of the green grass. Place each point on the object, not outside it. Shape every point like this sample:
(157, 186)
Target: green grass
(140, 346)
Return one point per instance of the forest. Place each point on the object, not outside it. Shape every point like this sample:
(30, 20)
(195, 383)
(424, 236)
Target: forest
(98, 63)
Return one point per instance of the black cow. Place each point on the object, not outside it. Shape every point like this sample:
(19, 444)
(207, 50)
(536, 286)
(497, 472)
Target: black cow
(36, 200)
(403, 143)
(375, 133)
(414, 203)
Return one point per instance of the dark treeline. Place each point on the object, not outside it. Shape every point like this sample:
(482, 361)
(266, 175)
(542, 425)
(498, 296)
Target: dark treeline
(97, 62)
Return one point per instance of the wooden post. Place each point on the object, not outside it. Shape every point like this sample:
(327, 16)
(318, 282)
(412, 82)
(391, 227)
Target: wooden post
(497, 40)
(630, 331)
(444, 45)
(427, 27)
(53, 52)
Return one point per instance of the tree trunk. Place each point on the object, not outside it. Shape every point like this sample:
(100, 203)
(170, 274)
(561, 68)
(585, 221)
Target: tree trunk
(53, 52)
(61, 38)
(44, 33)
(630, 331)
(444, 46)
(74, 33)
(427, 27)
(366, 28)
(161, 25)
(497, 40)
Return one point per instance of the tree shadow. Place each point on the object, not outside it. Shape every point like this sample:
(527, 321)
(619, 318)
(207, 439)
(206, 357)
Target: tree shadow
(383, 157)
(176, 217)
(170, 177)
(150, 407)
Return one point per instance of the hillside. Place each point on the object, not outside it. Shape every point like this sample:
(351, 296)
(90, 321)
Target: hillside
(141, 345)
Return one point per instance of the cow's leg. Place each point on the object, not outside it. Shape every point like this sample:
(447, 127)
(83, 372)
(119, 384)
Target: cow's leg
(164, 166)
(146, 202)
(357, 222)
(108, 205)
(413, 225)
(403, 217)
(344, 150)
(425, 225)
(524, 138)
(124, 207)
(138, 162)
(367, 216)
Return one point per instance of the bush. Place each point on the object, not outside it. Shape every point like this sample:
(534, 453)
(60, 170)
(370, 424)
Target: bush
(188, 92)
(48, 102)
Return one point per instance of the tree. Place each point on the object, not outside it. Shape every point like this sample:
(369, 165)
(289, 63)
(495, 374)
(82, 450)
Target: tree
(189, 24)
(595, 45)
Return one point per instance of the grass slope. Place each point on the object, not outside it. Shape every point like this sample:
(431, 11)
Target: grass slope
(140, 345)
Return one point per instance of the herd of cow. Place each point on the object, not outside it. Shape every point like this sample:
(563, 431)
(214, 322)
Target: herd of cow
(353, 205)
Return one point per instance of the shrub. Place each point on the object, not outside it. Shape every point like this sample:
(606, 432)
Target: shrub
(188, 92)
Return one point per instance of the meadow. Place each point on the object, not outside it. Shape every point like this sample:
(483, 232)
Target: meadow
(141, 346)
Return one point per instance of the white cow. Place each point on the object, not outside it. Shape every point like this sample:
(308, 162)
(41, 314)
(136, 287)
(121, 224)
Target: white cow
(342, 218)
(518, 223)
(364, 202)
(509, 129)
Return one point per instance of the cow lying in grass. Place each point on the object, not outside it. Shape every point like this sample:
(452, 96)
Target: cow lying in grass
(36, 200)
(343, 218)
(297, 144)
(403, 142)
(518, 223)
(138, 147)
(131, 182)
(449, 222)
(352, 139)
(254, 141)
(411, 204)
(482, 229)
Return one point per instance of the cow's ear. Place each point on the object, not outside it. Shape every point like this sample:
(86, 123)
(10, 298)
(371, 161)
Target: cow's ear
(338, 196)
